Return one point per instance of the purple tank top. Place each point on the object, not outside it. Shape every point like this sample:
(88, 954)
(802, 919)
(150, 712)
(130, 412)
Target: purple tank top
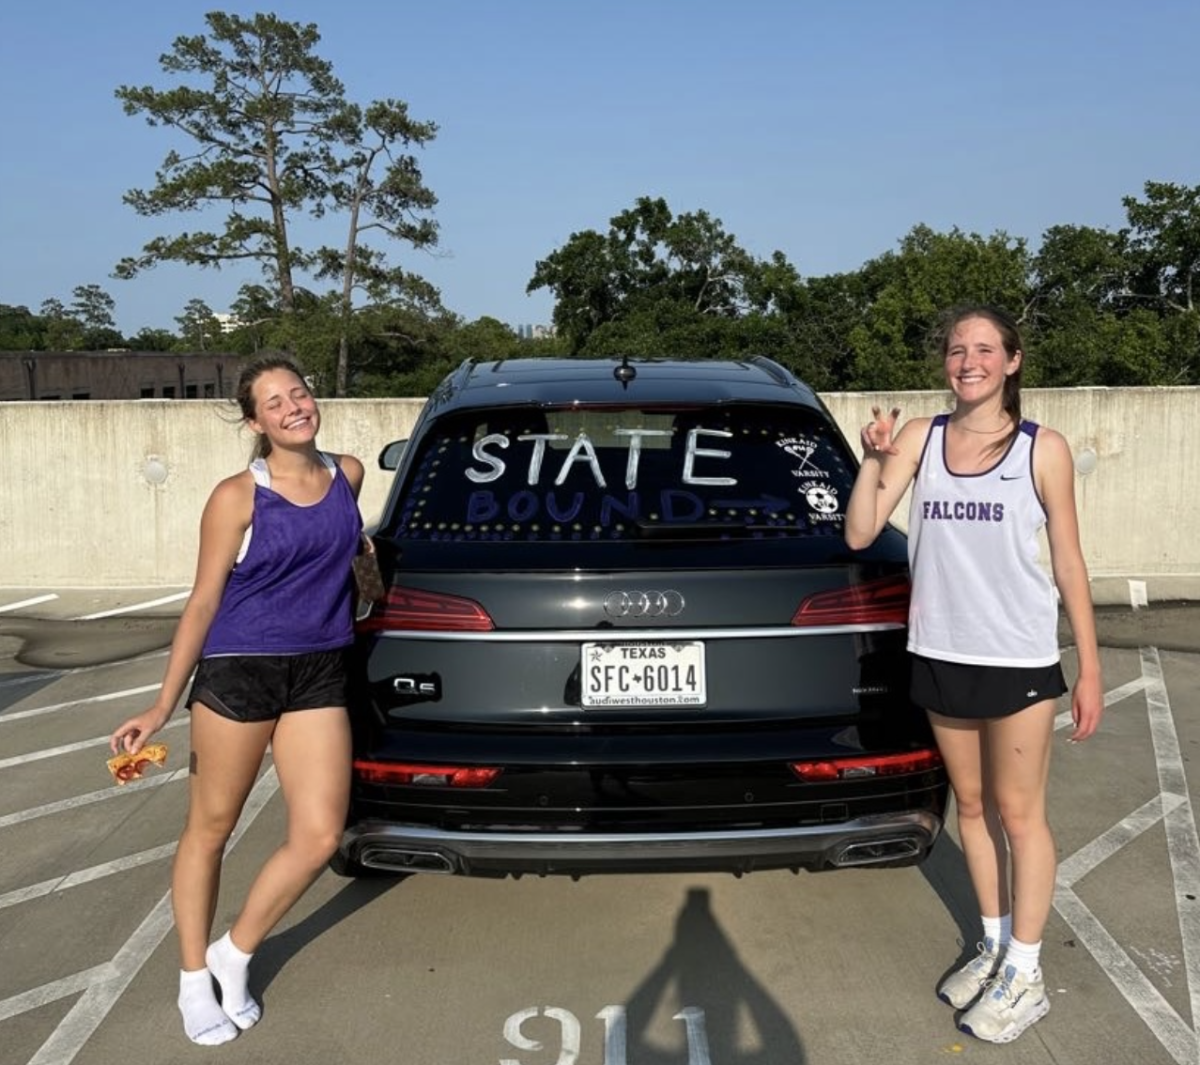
(292, 591)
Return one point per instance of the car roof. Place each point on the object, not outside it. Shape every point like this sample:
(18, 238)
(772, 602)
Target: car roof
(563, 381)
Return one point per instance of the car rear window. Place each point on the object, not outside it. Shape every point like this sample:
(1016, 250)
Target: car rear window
(610, 475)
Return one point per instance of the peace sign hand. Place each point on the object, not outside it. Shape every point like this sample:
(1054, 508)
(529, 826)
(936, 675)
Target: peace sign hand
(877, 434)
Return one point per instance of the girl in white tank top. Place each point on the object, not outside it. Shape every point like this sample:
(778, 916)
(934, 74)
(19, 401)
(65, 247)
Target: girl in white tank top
(973, 552)
(983, 618)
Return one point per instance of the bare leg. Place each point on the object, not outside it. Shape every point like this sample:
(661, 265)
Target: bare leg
(965, 747)
(1019, 756)
(226, 756)
(311, 749)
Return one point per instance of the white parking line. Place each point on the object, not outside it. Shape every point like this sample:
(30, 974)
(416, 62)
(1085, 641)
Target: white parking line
(52, 992)
(76, 801)
(1183, 844)
(133, 607)
(103, 985)
(1154, 1010)
(1138, 684)
(85, 876)
(21, 715)
(71, 748)
(42, 676)
(27, 602)
(1172, 805)
(1084, 860)
(108, 983)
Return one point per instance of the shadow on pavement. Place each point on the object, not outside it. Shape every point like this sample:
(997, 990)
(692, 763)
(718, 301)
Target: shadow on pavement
(707, 974)
(945, 870)
(274, 954)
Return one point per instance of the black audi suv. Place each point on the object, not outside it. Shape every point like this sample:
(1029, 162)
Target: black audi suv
(622, 632)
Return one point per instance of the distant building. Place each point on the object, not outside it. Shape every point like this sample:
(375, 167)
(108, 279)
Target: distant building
(28, 375)
(535, 332)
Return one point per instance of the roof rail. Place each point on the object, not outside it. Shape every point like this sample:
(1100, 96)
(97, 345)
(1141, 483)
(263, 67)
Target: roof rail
(776, 370)
(451, 384)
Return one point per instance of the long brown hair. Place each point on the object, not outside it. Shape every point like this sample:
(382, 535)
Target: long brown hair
(245, 396)
(1010, 338)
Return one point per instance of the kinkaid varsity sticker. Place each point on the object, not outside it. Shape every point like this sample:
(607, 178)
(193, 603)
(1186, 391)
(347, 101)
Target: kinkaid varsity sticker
(823, 499)
(802, 449)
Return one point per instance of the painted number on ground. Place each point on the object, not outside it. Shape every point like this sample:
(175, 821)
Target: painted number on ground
(614, 1034)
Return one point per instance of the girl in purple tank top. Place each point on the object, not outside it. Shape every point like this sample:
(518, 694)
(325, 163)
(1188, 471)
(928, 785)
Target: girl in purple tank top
(264, 631)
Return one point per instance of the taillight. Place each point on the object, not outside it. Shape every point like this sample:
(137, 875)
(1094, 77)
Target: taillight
(870, 603)
(410, 608)
(878, 765)
(437, 776)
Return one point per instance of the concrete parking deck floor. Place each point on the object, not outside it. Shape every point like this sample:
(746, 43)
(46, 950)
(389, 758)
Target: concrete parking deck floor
(772, 969)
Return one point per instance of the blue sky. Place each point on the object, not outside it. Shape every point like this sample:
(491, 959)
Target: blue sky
(825, 131)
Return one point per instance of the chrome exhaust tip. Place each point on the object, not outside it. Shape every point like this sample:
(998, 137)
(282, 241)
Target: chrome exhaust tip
(872, 852)
(404, 860)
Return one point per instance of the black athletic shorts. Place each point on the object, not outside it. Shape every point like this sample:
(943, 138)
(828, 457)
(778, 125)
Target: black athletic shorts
(261, 687)
(954, 689)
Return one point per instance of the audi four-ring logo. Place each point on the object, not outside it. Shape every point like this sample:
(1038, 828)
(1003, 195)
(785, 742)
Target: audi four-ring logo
(668, 604)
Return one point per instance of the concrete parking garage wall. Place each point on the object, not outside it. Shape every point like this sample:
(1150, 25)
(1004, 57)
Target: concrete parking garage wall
(109, 493)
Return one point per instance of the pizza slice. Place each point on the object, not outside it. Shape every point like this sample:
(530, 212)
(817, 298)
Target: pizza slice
(126, 767)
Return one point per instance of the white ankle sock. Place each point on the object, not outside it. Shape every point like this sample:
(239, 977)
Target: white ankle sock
(203, 1019)
(231, 967)
(1024, 957)
(997, 931)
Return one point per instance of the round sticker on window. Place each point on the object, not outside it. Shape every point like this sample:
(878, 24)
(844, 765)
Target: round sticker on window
(822, 498)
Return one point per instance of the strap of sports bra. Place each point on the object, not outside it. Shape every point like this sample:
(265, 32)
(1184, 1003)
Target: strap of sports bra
(261, 472)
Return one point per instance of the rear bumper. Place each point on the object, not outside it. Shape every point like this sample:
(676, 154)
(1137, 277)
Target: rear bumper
(890, 839)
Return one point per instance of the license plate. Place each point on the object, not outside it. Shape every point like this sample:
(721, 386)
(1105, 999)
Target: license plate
(644, 674)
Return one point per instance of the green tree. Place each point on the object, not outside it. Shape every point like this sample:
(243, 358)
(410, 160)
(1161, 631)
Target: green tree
(198, 326)
(483, 339)
(1082, 266)
(404, 349)
(1165, 239)
(648, 257)
(20, 329)
(63, 332)
(1165, 244)
(275, 136)
(149, 338)
(909, 289)
(94, 309)
(811, 320)
(381, 191)
(585, 281)
(1080, 330)
(255, 317)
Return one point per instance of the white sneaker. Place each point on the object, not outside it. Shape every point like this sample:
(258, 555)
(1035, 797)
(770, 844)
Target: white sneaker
(965, 985)
(1011, 1002)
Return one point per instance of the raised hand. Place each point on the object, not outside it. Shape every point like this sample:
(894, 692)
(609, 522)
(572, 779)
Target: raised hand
(878, 434)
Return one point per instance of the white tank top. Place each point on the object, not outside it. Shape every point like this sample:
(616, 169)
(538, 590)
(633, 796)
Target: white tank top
(979, 594)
